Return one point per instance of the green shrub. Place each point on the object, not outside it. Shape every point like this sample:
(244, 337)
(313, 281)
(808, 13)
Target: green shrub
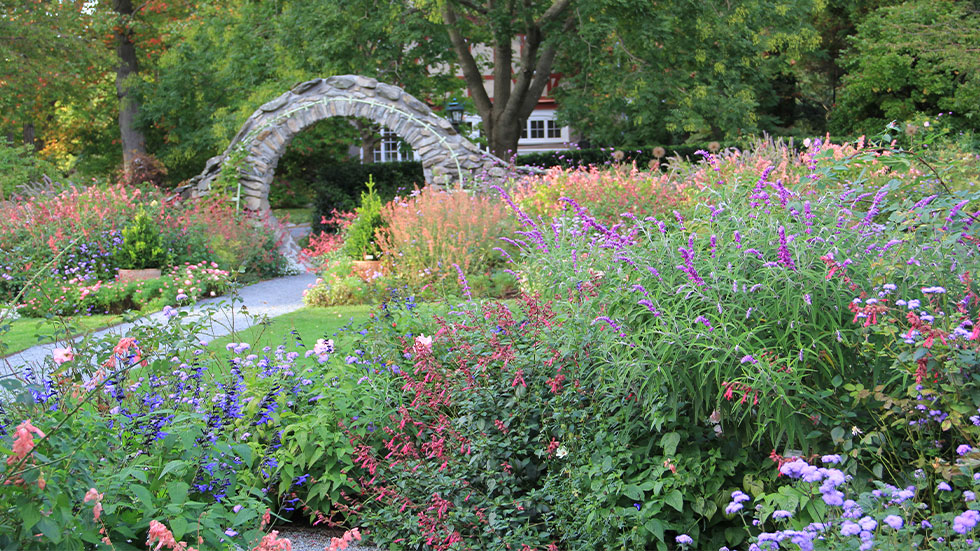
(20, 165)
(360, 235)
(142, 244)
(338, 186)
(603, 156)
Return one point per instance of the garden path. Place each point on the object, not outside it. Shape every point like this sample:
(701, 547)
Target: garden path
(271, 298)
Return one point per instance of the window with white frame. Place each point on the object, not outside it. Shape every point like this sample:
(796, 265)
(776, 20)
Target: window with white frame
(391, 148)
(542, 128)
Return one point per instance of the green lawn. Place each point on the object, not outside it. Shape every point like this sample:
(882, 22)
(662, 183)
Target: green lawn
(24, 333)
(296, 216)
(309, 324)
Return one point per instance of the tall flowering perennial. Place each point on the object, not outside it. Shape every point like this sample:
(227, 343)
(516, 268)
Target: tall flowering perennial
(23, 450)
(431, 479)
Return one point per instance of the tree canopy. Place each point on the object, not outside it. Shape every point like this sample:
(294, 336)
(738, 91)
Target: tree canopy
(633, 72)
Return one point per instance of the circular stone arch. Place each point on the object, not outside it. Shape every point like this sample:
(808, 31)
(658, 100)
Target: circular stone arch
(446, 156)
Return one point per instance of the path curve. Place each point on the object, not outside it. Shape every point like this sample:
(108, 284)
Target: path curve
(271, 298)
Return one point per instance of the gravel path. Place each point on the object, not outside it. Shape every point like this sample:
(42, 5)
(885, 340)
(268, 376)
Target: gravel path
(268, 298)
(314, 539)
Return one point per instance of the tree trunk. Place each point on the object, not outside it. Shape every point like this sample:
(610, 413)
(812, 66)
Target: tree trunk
(133, 142)
(514, 99)
(30, 136)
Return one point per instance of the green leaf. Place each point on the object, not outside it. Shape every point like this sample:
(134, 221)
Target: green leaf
(655, 527)
(177, 491)
(144, 495)
(50, 529)
(670, 442)
(178, 525)
(676, 500)
(30, 515)
(173, 466)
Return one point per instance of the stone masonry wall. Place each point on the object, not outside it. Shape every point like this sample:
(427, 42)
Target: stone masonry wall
(265, 136)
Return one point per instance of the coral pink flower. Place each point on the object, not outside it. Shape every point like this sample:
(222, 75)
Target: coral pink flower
(164, 537)
(23, 441)
(272, 542)
(94, 495)
(337, 544)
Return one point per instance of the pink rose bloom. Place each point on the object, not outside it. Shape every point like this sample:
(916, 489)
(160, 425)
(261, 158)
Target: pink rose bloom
(62, 355)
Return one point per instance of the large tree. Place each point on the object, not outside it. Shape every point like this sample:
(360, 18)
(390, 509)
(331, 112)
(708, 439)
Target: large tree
(519, 77)
(51, 57)
(640, 72)
(236, 55)
(921, 56)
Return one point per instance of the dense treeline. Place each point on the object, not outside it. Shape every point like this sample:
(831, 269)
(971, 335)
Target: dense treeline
(84, 81)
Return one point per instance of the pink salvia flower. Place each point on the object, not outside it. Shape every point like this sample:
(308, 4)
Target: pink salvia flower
(94, 495)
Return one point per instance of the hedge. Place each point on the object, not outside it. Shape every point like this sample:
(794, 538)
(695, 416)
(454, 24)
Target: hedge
(339, 186)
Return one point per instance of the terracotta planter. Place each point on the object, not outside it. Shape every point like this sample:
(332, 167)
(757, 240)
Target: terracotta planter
(366, 269)
(127, 276)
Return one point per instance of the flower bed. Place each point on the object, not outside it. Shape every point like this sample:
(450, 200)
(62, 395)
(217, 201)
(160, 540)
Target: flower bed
(64, 252)
(786, 358)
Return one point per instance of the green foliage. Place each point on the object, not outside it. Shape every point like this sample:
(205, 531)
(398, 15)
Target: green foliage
(142, 245)
(360, 235)
(642, 156)
(338, 186)
(20, 165)
(54, 297)
(118, 453)
(638, 72)
(236, 56)
(918, 57)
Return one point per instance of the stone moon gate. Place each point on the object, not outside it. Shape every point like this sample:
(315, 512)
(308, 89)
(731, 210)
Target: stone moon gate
(446, 156)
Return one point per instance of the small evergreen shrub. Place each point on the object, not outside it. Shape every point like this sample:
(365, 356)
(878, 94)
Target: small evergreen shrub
(142, 244)
(338, 186)
(359, 240)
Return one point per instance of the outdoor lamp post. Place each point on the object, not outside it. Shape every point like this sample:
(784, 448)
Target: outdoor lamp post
(454, 112)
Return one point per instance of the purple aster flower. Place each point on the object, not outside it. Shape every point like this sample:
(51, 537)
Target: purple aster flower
(848, 528)
(943, 487)
(830, 459)
(966, 521)
(894, 521)
(933, 290)
(738, 496)
(684, 539)
(781, 513)
(793, 469)
(963, 449)
(733, 508)
(969, 496)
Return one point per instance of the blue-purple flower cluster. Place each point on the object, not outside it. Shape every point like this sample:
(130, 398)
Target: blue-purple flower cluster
(881, 518)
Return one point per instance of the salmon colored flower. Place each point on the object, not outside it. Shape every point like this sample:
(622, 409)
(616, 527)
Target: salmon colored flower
(23, 441)
(94, 495)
